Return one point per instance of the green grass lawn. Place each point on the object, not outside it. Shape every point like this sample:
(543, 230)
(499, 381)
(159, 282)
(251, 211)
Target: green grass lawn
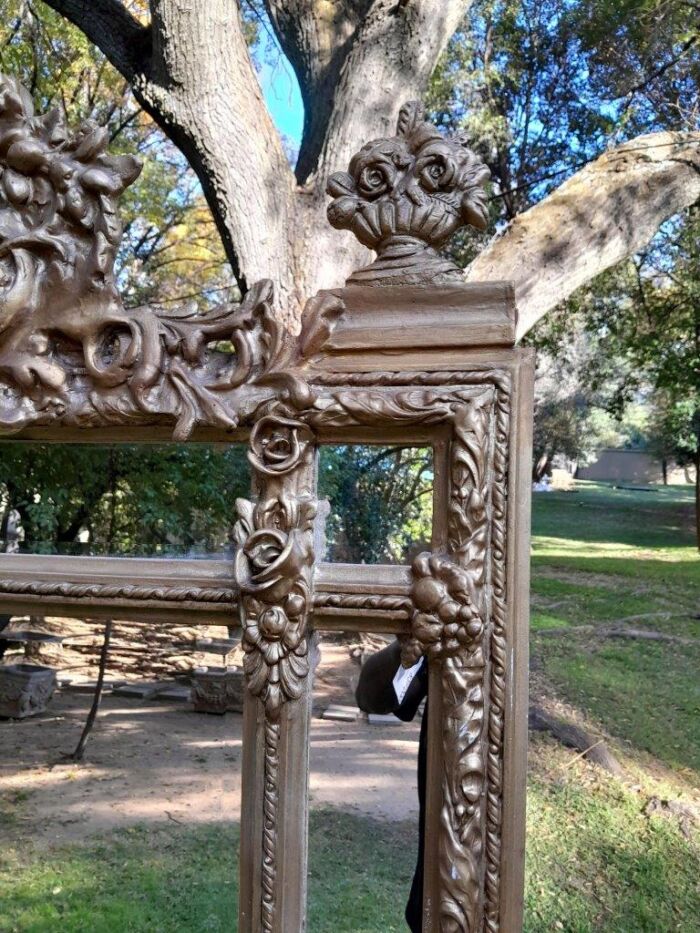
(172, 879)
(606, 558)
(596, 860)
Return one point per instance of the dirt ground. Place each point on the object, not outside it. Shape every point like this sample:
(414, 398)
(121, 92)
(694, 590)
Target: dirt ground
(150, 761)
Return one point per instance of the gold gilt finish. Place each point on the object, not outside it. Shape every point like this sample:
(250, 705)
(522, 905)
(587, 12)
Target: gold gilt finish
(405, 352)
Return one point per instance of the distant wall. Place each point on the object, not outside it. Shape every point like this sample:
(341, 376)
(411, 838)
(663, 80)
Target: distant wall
(631, 466)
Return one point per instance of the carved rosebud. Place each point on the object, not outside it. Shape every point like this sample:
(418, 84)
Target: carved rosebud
(277, 444)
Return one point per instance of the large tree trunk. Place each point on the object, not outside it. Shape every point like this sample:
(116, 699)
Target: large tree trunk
(190, 69)
(357, 61)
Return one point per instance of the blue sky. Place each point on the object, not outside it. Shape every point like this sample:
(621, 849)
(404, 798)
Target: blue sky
(281, 91)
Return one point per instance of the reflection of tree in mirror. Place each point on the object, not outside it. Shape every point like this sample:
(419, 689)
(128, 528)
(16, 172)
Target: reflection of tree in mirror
(174, 499)
(381, 502)
(121, 499)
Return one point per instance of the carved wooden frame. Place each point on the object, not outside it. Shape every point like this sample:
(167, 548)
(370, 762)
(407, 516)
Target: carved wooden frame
(404, 352)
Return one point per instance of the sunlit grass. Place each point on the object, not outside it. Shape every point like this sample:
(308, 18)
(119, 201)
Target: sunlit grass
(645, 692)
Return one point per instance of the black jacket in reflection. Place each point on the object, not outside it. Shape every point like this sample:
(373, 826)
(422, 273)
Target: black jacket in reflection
(375, 694)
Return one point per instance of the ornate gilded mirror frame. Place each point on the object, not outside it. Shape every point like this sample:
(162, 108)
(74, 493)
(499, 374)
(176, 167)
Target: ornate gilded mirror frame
(404, 352)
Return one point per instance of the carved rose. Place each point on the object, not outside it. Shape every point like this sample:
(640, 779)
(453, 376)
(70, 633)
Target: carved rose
(277, 444)
(444, 619)
(270, 561)
(272, 564)
(407, 194)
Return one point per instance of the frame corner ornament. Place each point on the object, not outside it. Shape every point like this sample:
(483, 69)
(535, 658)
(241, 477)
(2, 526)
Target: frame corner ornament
(70, 351)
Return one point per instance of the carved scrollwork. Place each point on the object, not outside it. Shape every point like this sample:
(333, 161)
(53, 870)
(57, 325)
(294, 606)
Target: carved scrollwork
(372, 407)
(405, 196)
(70, 351)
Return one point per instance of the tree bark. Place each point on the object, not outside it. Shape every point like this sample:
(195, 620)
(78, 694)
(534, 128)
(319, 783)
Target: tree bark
(357, 61)
(604, 213)
(190, 69)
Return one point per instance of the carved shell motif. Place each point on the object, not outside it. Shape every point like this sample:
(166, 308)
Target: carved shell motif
(405, 196)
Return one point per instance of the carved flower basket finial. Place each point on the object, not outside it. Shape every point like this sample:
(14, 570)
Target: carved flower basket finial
(405, 196)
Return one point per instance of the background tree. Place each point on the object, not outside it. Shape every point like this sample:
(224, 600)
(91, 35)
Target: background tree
(380, 498)
(642, 323)
(356, 61)
(122, 500)
(673, 432)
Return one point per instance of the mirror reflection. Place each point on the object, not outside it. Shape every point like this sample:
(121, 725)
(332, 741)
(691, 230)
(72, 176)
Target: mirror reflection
(127, 500)
(381, 503)
(364, 772)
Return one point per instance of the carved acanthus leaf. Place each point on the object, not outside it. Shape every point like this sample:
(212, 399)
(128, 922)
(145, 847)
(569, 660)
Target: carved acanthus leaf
(371, 406)
(70, 351)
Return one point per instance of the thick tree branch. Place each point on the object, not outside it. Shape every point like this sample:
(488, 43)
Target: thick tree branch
(111, 27)
(316, 36)
(197, 81)
(604, 213)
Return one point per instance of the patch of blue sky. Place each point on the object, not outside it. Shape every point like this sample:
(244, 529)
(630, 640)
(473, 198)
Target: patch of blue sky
(280, 89)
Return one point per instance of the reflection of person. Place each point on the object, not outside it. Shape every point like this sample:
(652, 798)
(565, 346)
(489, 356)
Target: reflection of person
(377, 693)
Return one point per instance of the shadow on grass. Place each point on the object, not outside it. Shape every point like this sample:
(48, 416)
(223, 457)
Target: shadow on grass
(595, 863)
(642, 568)
(600, 512)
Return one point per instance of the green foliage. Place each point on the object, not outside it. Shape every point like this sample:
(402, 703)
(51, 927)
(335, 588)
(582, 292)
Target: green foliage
(130, 500)
(145, 499)
(642, 320)
(380, 501)
(673, 429)
(561, 427)
(541, 87)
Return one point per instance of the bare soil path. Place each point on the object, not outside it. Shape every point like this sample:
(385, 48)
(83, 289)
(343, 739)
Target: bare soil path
(150, 761)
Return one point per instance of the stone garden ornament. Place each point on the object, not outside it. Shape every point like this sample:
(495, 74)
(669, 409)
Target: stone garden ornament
(404, 352)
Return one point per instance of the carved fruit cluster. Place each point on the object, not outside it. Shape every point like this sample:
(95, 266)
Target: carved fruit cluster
(444, 619)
